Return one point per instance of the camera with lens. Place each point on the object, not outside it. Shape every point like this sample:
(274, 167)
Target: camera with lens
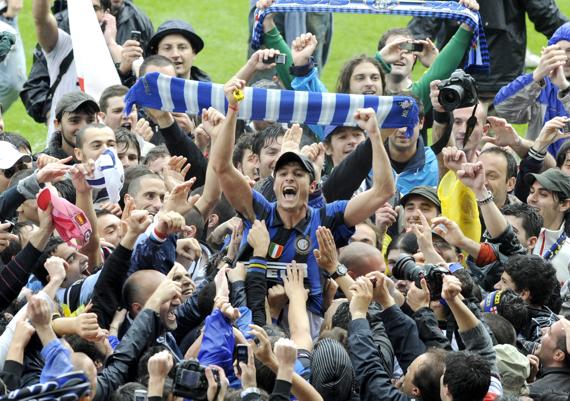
(458, 91)
(406, 269)
(190, 380)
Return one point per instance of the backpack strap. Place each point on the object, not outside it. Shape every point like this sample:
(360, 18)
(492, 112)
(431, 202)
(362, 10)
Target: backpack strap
(63, 67)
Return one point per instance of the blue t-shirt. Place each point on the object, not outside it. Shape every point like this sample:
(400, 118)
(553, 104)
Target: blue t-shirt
(302, 240)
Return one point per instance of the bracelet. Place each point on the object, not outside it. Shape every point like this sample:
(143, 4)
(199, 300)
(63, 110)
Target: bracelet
(441, 117)
(385, 66)
(234, 107)
(486, 200)
(303, 70)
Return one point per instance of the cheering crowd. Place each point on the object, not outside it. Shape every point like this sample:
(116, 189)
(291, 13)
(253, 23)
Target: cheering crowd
(161, 255)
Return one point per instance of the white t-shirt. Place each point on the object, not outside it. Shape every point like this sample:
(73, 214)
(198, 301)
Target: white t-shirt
(68, 82)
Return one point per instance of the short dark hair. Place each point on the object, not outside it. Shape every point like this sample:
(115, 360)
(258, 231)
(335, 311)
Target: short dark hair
(343, 83)
(16, 139)
(81, 133)
(467, 376)
(244, 143)
(266, 136)
(428, 375)
(501, 328)
(127, 391)
(531, 220)
(123, 135)
(156, 61)
(39, 270)
(512, 167)
(89, 348)
(108, 93)
(135, 183)
(393, 32)
(513, 308)
(561, 155)
(342, 316)
(130, 174)
(532, 273)
(66, 190)
(155, 153)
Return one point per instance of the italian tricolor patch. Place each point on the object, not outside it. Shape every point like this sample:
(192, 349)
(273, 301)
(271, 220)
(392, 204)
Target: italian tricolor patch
(275, 250)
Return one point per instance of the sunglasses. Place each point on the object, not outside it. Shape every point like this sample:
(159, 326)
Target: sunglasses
(9, 172)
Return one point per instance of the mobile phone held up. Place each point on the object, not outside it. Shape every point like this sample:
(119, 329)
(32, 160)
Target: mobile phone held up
(136, 35)
(277, 59)
(412, 47)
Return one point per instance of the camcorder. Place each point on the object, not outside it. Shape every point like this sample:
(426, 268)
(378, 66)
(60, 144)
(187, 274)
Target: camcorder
(458, 91)
(407, 269)
(190, 380)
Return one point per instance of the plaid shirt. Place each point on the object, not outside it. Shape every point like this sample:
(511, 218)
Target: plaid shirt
(539, 319)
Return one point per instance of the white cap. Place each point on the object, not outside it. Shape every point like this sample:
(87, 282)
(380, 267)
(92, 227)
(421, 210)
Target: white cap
(9, 155)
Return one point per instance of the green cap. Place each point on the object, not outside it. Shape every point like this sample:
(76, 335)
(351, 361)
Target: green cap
(429, 193)
(552, 180)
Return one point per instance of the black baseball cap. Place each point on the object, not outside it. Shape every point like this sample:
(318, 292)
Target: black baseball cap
(552, 180)
(289, 157)
(71, 102)
(172, 27)
(424, 191)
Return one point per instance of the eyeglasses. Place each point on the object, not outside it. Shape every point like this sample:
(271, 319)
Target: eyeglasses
(9, 172)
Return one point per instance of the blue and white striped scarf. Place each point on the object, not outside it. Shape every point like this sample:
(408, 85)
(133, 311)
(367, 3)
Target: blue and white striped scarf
(159, 91)
(478, 59)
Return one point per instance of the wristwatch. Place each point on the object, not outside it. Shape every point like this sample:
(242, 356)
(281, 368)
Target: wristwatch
(251, 393)
(341, 271)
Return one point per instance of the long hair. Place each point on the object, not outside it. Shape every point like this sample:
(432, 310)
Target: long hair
(343, 83)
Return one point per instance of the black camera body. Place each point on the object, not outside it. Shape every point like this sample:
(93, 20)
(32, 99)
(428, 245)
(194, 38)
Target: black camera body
(458, 91)
(406, 269)
(190, 380)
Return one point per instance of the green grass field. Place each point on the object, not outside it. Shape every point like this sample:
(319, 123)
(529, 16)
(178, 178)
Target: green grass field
(223, 26)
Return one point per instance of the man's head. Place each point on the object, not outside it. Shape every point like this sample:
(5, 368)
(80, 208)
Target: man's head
(401, 143)
(553, 349)
(157, 158)
(11, 161)
(550, 195)
(128, 148)
(361, 259)
(459, 128)
(467, 377)
(74, 111)
(423, 378)
(177, 40)
(92, 140)
(77, 263)
(19, 141)
(156, 63)
(110, 227)
(500, 173)
(531, 277)
(561, 38)
(525, 221)
(401, 69)
(112, 104)
(341, 141)
(137, 290)
(147, 192)
(244, 159)
(267, 147)
(365, 232)
(422, 199)
(361, 75)
(294, 179)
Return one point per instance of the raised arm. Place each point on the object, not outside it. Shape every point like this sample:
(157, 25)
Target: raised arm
(366, 203)
(472, 175)
(46, 25)
(234, 185)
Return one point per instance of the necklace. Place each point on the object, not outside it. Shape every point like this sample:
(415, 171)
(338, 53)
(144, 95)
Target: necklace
(555, 248)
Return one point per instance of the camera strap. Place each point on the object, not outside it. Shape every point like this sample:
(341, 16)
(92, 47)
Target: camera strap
(471, 123)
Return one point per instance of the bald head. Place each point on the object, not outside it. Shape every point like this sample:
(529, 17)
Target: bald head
(139, 287)
(82, 362)
(361, 259)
